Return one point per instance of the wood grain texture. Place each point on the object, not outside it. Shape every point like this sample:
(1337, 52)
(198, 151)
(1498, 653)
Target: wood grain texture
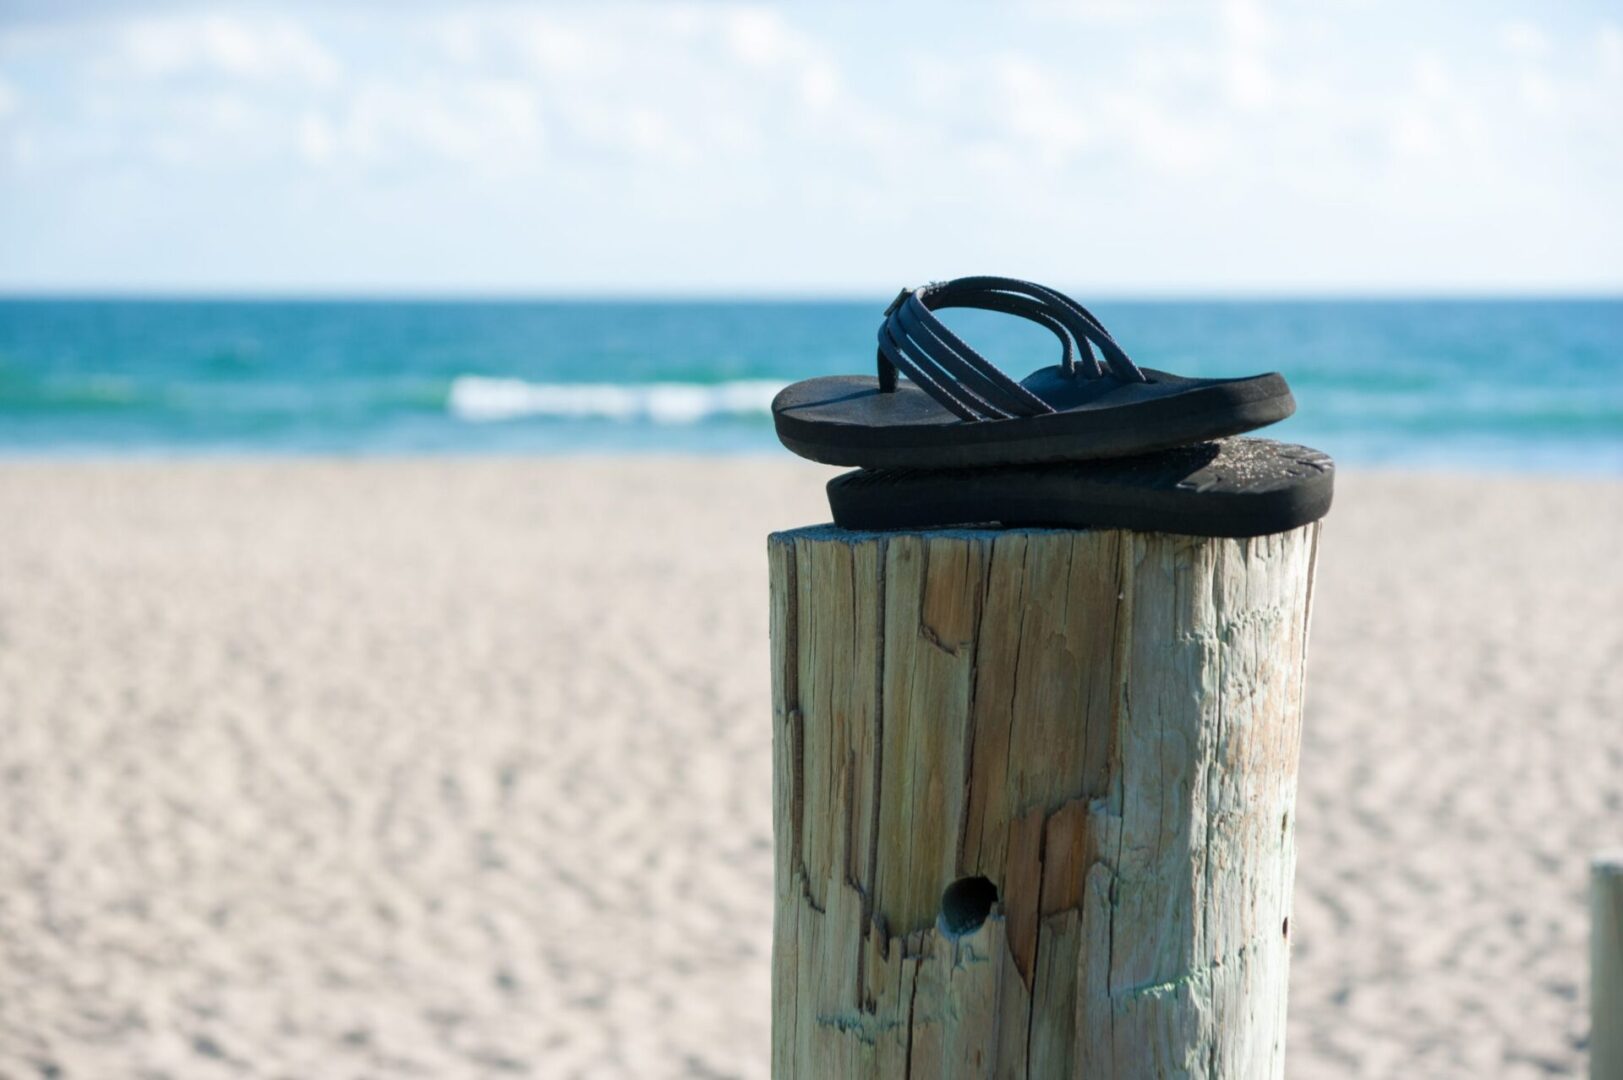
(1105, 725)
(1606, 967)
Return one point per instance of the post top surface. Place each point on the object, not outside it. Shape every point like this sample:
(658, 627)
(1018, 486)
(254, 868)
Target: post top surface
(834, 533)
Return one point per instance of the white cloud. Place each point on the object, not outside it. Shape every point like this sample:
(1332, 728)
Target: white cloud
(1435, 117)
(1524, 39)
(1033, 106)
(1538, 91)
(1164, 141)
(489, 126)
(236, 46)
(669, 85)
(758, 36)
(1609, 43)
(797, 129)
(1247, 27)
(820, 85)
(316, 139)
(557, 47)
(1099, 12)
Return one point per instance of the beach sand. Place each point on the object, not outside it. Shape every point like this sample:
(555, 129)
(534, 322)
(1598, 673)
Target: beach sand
(461, 768)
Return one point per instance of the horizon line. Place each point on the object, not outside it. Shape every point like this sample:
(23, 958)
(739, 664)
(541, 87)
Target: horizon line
(770, 296)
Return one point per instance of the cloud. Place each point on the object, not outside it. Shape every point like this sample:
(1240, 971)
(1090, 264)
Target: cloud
(664, 85)
(241, 47)
(696, 137)
(1247, 29)
(759, 37)
(1101, 12)
(1609, 44)
(1524, 39)
(482, 126)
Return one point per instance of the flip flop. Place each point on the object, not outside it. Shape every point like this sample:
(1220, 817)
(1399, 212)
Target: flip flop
(958, 410)
(1236, 487)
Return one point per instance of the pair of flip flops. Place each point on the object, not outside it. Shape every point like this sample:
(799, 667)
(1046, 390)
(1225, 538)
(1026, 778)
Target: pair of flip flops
(1094, 440)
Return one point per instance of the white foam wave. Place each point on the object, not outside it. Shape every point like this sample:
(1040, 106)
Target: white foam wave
(479, 399)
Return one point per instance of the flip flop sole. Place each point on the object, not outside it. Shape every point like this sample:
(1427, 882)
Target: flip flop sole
(846, 420)
(1235, 487)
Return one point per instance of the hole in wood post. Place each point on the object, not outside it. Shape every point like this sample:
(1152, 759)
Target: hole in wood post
(965, 905)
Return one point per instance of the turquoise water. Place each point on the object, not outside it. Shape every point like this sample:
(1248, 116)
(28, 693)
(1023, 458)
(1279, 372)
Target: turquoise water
(1523, 384)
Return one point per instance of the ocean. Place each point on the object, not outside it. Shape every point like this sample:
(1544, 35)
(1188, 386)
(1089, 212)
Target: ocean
(1459, 384)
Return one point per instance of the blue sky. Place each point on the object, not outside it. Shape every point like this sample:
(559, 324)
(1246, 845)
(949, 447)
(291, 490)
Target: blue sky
(1234, 147)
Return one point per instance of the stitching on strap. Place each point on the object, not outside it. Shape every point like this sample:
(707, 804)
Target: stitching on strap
(956, 358)
(914, 342)
(1078, 319)
(961, 402)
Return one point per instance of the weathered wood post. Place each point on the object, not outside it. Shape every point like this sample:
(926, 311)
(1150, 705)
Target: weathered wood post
(1034, 797)
(1605, 967)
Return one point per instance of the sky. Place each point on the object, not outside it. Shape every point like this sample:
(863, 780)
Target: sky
(1238, 147)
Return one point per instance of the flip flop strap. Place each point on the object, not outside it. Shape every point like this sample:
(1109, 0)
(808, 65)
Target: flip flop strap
(914, 342)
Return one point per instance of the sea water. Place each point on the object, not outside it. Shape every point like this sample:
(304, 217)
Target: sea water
(1493, 384)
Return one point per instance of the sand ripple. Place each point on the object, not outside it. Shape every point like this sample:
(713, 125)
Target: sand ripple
(462, 769)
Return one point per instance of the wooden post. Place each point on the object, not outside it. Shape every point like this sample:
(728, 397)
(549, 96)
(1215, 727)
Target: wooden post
(1034, 797)
(1605, 967)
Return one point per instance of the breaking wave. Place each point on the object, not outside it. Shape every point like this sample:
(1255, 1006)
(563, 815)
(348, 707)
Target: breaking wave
(480, 399)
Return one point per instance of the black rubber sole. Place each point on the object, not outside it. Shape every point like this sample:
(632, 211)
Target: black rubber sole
(845, 420)
(1235, 487)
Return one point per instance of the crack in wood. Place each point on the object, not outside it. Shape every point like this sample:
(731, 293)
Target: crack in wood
(912, 1029)
(933, 637)
(865, 1028)
(1037, 940)
(1192, 977)
(1144, 731)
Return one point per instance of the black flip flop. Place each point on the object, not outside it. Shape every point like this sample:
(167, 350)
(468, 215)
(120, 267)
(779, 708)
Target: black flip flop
(1236, 487)
(959, 410)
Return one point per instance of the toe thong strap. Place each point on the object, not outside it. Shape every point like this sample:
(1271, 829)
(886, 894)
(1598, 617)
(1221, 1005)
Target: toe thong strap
(914, 342)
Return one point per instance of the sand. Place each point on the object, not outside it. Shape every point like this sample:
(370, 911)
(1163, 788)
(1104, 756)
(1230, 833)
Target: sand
(461, 768)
